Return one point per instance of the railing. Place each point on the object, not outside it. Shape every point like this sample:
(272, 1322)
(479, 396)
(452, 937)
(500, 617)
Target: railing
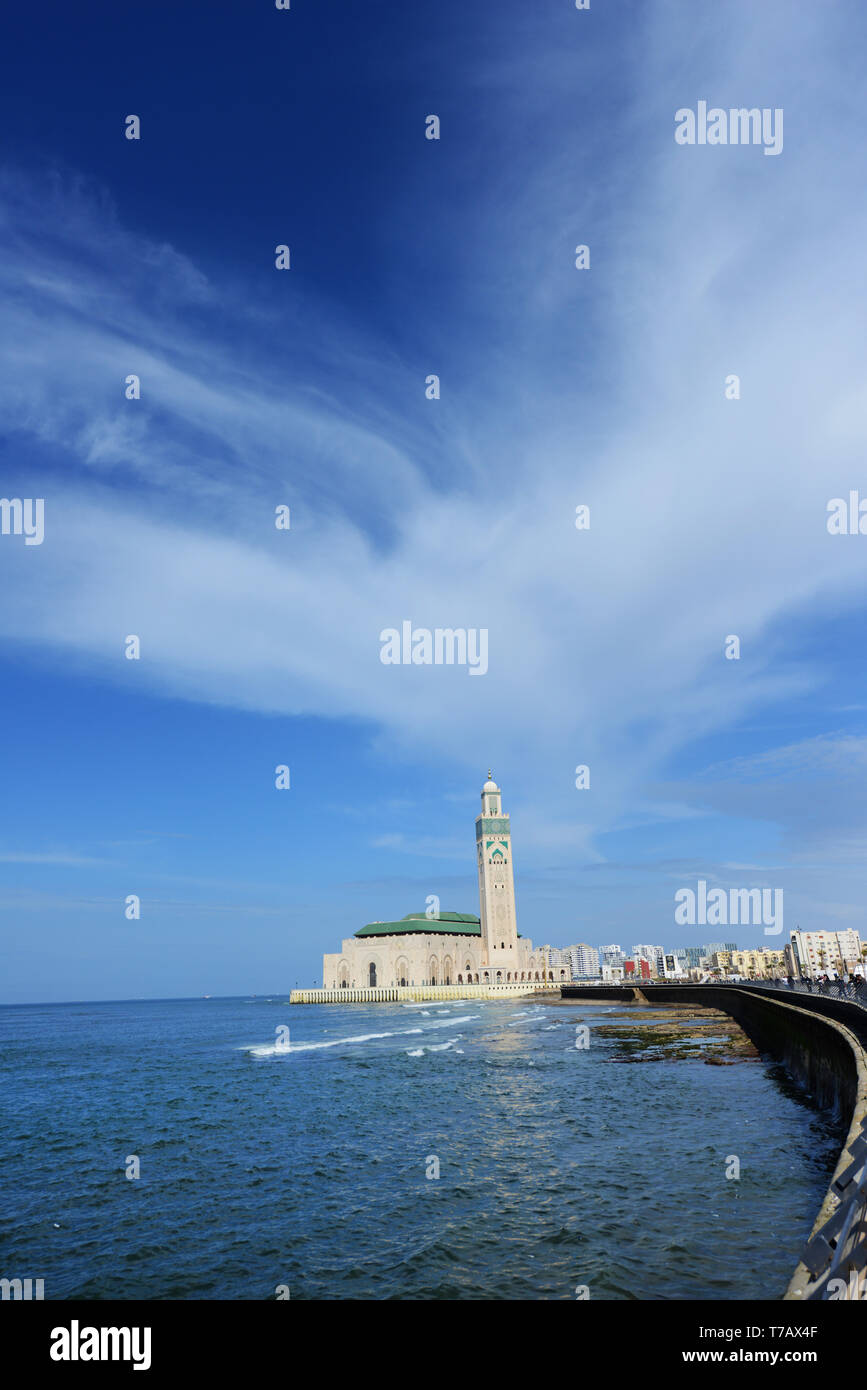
(835, 989)
(835, 1256)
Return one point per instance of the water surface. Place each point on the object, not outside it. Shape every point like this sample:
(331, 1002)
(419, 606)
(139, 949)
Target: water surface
(306, 1166)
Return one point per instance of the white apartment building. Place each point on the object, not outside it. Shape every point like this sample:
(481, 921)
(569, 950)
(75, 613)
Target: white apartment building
(818, 952)
(585, 960)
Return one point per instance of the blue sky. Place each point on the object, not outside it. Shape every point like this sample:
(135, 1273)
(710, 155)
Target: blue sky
(306, 387)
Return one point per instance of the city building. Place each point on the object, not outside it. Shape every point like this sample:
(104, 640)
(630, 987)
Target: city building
(636, 967)
(585, 962)
(675, 965)
(653, 955)
(760, 964)
(720, 961)
(694, 955)
(557, 959)
(815, 953)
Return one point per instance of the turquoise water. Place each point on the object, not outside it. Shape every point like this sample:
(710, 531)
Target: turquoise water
(306, 1166)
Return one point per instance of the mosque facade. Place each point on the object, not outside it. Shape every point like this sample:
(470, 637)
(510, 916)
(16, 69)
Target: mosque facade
(450, 948)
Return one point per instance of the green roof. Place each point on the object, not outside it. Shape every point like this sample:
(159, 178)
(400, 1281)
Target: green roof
(448, 923)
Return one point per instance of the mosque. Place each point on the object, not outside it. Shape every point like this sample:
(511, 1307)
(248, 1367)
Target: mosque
(451, 948)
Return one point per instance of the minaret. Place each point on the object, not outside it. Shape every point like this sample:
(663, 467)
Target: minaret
(496, 884)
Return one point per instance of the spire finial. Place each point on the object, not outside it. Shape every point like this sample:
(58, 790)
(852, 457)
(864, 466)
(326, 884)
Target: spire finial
(490, 775)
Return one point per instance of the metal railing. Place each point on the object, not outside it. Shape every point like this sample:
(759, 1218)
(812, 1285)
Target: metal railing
(836, 989)
(835, 1256)
(855, 993)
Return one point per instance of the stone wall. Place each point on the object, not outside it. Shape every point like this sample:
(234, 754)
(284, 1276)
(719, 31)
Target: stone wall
(395, 994)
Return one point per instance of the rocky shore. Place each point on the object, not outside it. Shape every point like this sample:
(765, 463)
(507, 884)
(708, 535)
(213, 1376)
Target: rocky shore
(669, 1033)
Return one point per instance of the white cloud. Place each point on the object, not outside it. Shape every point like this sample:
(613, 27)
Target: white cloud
(606, 647)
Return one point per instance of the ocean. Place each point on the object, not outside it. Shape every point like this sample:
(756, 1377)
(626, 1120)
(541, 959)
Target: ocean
(459, 1151)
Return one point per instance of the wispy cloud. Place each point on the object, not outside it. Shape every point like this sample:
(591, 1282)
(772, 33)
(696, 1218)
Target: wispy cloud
(606, 647)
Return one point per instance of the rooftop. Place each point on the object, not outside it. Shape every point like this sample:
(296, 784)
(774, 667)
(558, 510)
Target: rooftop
(448, 923)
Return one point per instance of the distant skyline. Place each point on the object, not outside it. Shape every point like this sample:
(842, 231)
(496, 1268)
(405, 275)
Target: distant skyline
(559, 387)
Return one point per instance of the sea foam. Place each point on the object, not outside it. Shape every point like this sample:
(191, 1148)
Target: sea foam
(281, 1050)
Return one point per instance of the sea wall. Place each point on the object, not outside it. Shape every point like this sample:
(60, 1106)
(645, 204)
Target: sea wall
(397, 993)
(820, 1040)
(802, 1032)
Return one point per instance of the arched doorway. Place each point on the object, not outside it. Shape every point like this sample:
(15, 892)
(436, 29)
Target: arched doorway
(372, 975)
